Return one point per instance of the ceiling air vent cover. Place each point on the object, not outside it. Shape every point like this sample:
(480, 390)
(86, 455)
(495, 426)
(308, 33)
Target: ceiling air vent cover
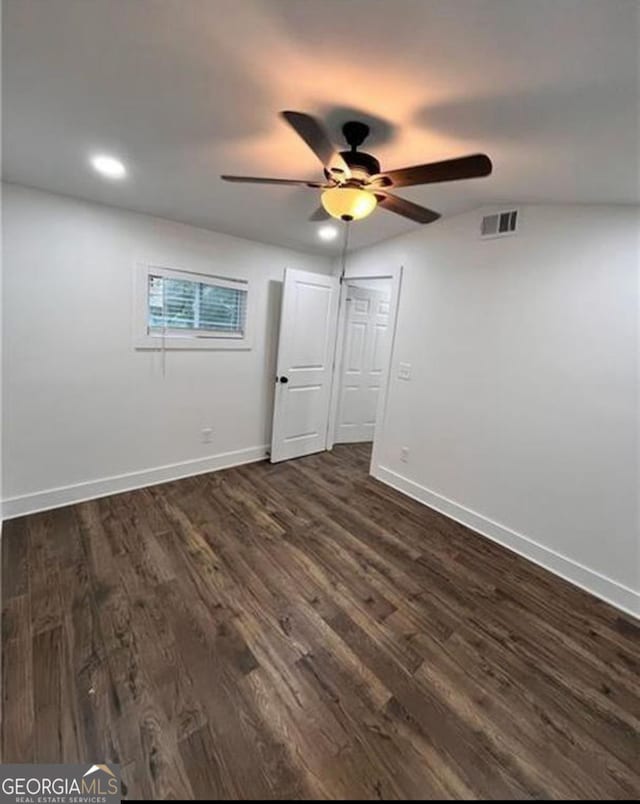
(499, 224)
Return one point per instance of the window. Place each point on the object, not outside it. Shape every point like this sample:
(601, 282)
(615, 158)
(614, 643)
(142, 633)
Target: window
(182, 305)
(181, 310)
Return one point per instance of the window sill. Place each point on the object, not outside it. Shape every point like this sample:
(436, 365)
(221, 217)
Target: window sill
(156, 343)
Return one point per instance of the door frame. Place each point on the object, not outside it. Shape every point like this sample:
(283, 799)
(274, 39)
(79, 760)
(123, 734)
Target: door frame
(395, 275)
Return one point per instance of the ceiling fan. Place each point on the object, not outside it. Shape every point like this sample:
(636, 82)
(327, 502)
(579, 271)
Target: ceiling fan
(353, 184)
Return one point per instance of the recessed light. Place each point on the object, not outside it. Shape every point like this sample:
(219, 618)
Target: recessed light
(327, 233)
(108, 166)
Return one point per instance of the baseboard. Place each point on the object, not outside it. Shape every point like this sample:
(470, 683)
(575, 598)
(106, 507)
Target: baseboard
(90, 490)
(618, 595)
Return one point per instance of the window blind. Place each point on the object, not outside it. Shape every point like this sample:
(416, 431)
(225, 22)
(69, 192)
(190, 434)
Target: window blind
(200, 307)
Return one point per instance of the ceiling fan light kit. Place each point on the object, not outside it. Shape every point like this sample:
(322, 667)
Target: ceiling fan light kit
(348, 203)
(354, 184)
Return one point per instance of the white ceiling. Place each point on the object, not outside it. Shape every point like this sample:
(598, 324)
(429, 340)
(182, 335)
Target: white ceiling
(184, 90)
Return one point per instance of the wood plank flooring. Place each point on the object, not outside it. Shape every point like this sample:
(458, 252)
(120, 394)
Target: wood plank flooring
(302, 631)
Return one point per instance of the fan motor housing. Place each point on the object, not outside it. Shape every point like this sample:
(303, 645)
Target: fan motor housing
(362, 165)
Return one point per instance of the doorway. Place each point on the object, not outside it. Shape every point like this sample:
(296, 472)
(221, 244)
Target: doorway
(333, 361)
(388, 284)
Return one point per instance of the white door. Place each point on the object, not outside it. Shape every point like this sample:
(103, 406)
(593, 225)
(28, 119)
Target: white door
(363, 361)
(305, 364)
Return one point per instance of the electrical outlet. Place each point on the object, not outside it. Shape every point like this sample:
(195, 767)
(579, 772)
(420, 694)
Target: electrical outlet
(404, 371)
(404, 454)
(207, 435)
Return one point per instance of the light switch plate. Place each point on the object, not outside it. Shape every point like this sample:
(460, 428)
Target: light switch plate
(404, 371)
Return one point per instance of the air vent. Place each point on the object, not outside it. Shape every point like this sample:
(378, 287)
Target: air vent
(499, 224)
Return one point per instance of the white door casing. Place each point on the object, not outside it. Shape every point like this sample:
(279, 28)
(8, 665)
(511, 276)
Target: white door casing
(306, 348)
(364, 358)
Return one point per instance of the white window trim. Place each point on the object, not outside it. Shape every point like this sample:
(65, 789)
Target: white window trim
(175, 339)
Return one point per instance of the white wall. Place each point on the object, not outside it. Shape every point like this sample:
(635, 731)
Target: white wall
(522, 412)
(81, 407)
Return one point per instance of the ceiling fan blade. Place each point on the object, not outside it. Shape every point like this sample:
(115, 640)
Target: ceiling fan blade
(258, 180)
(316, 137)
(407, 209)
(465, 167)
(320, 214)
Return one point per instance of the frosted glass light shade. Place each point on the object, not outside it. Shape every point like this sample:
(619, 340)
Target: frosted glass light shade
(348, 203)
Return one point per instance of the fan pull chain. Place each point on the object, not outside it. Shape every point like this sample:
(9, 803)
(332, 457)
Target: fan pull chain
(345, 246)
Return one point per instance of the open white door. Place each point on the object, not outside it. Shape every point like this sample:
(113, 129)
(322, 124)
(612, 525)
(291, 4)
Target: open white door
(308, 326)
(366, 344)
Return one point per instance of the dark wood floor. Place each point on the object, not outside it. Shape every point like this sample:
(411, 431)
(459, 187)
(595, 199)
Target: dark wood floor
(303, 631)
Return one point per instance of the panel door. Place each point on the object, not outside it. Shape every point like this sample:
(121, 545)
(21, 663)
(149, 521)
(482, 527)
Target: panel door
(365, 344)
(305, 364)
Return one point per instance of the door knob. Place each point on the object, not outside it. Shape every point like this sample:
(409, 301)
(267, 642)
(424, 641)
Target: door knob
(284, 379)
